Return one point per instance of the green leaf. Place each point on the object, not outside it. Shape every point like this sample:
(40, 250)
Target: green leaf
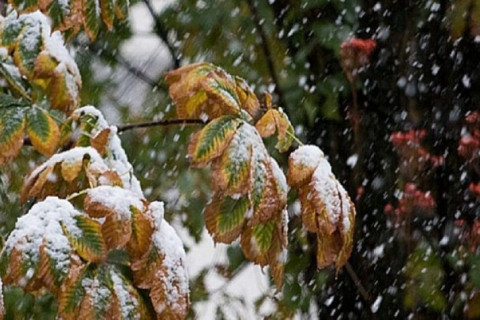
(58, 11)
(108, 12)
(225, 217)
(43, 131)
(90, 245)
(28, 48)
(7, 101)
(212, 140)
(10, 30)
(12, 125)
(11, 73)
(121, 8)
(91, 13)
(231, 172)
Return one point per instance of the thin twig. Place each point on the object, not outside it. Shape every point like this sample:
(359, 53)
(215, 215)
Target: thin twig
(124, 63)
(130, 126)
(162, 33)
(267, 52)
(357, 282)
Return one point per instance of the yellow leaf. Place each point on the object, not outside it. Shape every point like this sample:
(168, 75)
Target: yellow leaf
(43, 131)
(44, 65)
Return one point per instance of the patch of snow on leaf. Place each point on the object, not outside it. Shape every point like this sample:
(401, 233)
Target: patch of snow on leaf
(307, 156)
(128, 303)
(116, 198)
(170, 246)
(43, 225)
(116, 157)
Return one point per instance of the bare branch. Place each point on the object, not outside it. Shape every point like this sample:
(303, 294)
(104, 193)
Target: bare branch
(267, 52)
(148, 124)
(162, 33)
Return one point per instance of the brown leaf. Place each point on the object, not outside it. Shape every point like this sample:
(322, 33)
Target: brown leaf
(301, 165)
(99, 142)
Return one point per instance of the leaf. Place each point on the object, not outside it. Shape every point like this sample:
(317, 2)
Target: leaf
(28, 48)
(121, 8)
(267, 197)
(302, 164)
(142, 230)
(276, 121)
(91, 14)
(326, 207)
(90, 245)
(248, 100)
(225, 217)
(209, 143)
(63, 90)
(13, 77)
(256, 241)
(12, 131)
(99, 142)
(108, 12)
(43, 131)
(207, 91)
(231, 171)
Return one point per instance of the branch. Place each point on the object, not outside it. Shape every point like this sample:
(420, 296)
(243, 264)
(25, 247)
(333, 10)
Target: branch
(123, 62)
(267, 53)
(148, 124)
(357, 282)
(162, 33)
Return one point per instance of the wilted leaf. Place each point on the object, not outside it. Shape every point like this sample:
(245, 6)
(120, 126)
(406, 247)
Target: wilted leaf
(301, 165)
(204, 90)
(326, 207)
(276, 121)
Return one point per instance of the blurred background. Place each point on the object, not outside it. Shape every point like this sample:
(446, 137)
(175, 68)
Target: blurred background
(398, 119)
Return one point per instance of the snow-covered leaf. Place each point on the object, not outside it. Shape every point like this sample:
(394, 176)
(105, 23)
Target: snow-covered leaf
(326, 207)
(40, 250)
(162, 271)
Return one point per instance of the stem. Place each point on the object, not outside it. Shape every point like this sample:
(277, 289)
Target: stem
(148, 124)
(300, 143)
(77, 194)
(357, 282)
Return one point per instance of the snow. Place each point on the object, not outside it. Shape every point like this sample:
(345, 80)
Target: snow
(307, 156)
(280, 179)
(376, 304)
(128, 303)
(116, 158)
(71, 156)
(116, 198)
(55, 46)
(334, 196)
(166, 240)
(43, 225)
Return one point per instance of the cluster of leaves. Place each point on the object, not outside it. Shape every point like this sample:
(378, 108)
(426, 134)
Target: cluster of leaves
(249, 189)
(31, 52)
(70, 16)
(78, 247)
